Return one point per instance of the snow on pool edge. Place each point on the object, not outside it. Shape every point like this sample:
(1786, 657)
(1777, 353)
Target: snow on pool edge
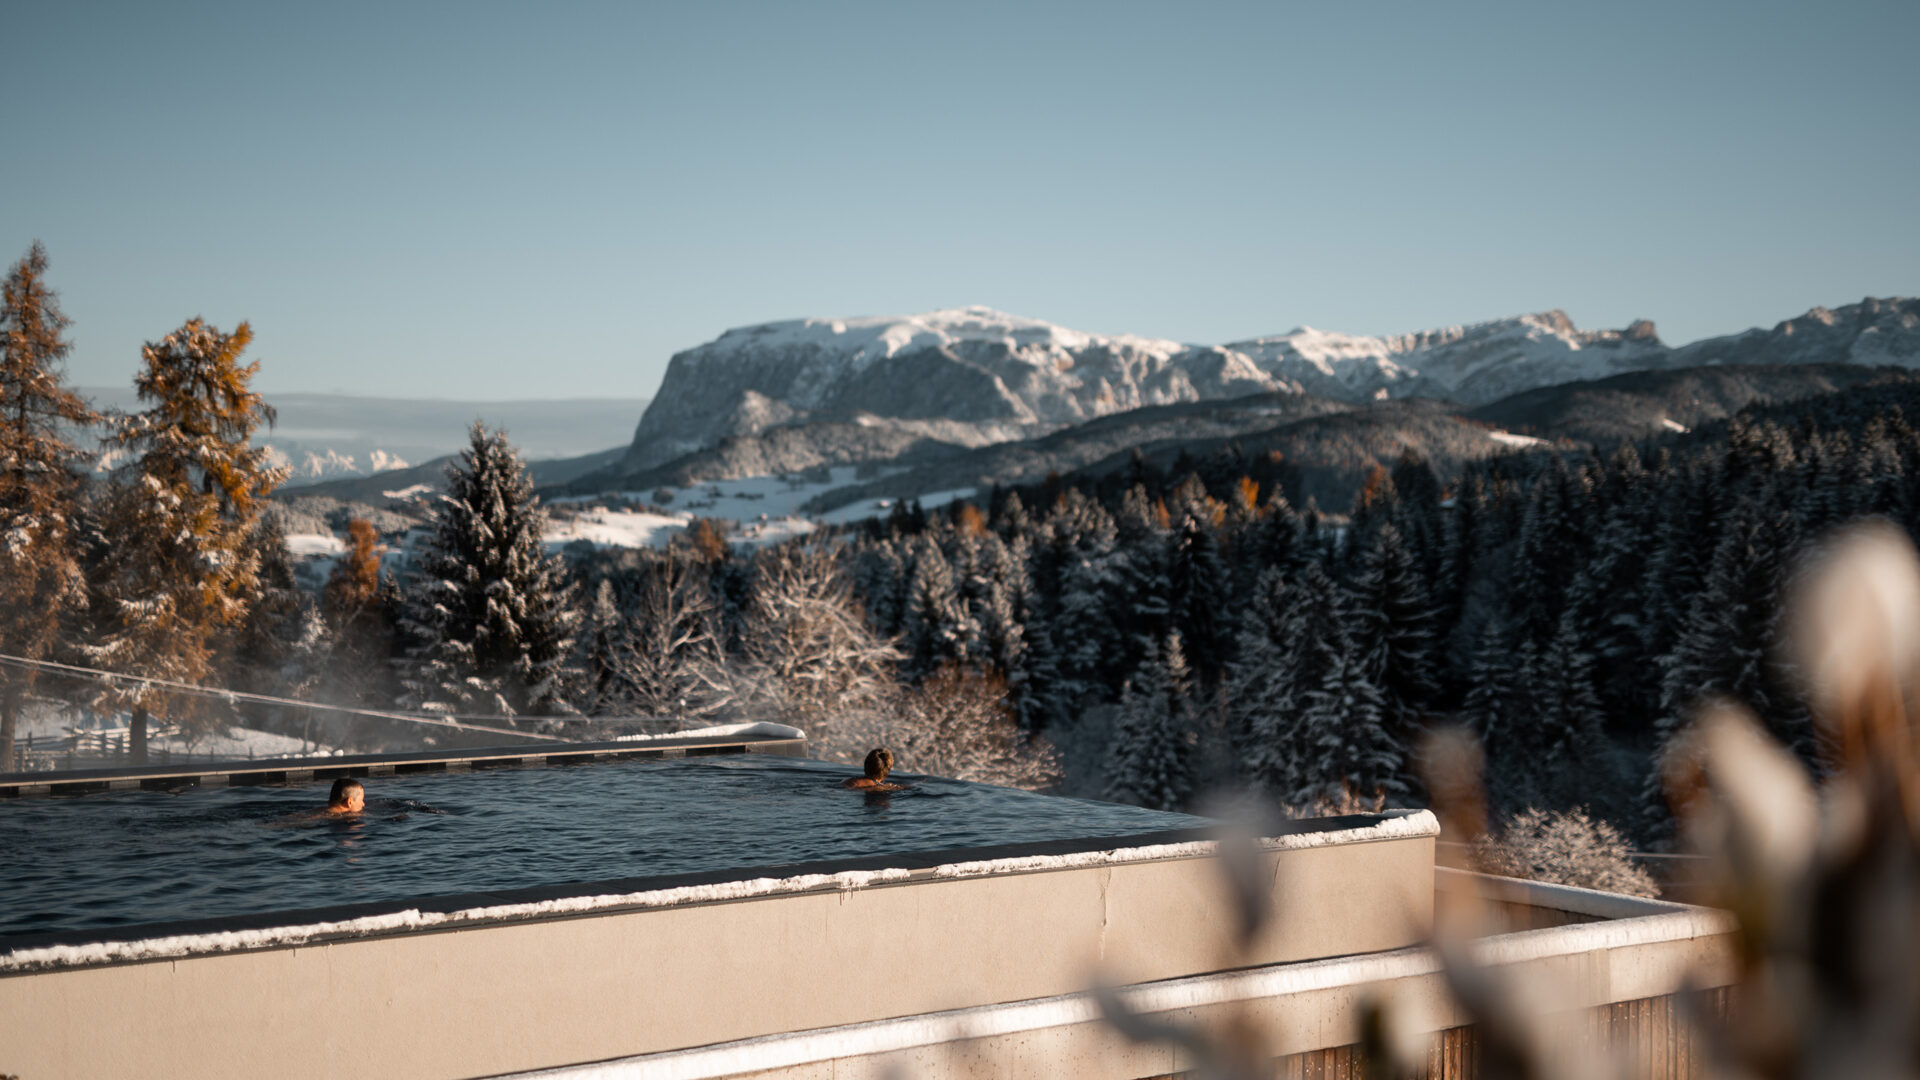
(1400, 826)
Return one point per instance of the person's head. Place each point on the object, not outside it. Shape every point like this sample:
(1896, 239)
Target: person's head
(879, 763)
(348, 796)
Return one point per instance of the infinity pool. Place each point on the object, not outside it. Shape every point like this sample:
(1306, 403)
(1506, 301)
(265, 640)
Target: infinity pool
(139, 857)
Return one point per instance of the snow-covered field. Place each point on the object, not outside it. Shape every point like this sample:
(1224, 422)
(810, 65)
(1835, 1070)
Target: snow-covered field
(759, 510)
(765, 510)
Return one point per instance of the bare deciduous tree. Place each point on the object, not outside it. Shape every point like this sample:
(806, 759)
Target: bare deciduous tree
(959, 722)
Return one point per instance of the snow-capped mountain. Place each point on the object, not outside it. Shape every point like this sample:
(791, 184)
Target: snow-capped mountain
(1875, 332)
(1472, 364)
(975, 376)
(1001, 375)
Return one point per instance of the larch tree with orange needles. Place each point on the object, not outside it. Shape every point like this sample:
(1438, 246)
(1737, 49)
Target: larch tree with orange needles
(177, 570)
(40, 575)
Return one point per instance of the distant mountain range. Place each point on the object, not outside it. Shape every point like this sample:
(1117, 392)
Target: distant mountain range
(954, 400)
(786, 396)
(323, 437)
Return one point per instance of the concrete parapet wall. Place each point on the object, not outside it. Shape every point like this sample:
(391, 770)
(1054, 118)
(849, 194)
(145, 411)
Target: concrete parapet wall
(490, 995)
(1306, 1010)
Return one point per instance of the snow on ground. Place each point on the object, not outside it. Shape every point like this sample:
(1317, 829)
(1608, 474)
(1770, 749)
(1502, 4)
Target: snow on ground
(879, 507)
(749, 498)
(313, 545)
(766, 509)
(1510, 439)
(763, 509)
(605, 528)
(1673, 425)
(240, 742)
(50, 725)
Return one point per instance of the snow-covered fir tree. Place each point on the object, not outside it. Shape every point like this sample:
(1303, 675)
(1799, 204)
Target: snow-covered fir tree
(1263, 698)
(488, 614)
(1393, 628)
(1151, 762)
(1353, 763)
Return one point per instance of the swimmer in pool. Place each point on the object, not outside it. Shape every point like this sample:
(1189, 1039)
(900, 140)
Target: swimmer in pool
(879, 764)
(347, 797)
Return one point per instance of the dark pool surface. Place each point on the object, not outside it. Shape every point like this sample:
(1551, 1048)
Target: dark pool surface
(149, 856)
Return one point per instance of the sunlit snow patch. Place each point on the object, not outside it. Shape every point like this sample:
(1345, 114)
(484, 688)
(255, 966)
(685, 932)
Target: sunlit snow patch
(1510, 439)
(314, 545)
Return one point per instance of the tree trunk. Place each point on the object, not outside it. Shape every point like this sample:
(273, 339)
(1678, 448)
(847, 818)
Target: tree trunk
(137, 735)
(9, 724)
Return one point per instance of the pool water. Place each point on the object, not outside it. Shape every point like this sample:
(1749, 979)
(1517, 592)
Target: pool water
(137, 857)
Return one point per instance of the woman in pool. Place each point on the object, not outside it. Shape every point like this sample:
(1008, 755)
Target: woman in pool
(879, 764)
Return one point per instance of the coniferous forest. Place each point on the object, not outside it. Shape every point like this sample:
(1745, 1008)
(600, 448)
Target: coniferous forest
(1155, 636)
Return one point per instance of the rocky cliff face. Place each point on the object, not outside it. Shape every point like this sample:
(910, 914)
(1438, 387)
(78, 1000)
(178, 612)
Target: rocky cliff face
(989, 377)
(1873, 332)
(1472, 364)
(1006, 375)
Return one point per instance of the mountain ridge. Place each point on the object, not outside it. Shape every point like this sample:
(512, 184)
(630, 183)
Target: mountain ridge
(989, 377)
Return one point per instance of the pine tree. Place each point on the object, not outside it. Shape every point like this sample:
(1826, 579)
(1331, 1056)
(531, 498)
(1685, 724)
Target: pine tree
(1393, 631)
(1145, 589)
(938, 628)
(1727, 645)
(1550, 542)
(880, 574)
(1086, 634)
(178, 571)
(40, 573)
(1200, 598)
(1353, 761)
(1262, 697)
(1151, 762)
(1003, 629)
(1337, 740)
(487, 612)
(1491, 706)
(1570, 716)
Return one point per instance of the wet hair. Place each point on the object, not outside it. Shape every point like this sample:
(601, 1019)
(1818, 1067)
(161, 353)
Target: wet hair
(338, 796)
(879, 763)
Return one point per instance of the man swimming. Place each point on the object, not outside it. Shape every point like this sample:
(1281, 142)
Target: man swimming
(879, 764)
(347, 797)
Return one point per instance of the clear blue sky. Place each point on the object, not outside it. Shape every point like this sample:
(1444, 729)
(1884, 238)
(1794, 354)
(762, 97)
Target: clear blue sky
(548, 200)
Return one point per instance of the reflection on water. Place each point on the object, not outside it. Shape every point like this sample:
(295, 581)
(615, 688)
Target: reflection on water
(148, 856)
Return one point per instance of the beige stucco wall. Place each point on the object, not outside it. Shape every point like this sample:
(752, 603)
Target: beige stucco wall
(538, 993)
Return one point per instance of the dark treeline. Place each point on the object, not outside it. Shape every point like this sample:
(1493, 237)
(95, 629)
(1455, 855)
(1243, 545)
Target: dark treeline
(1572, 610)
